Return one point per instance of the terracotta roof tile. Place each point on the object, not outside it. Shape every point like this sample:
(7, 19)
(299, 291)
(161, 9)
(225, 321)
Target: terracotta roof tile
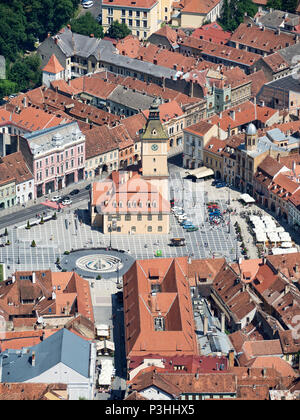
(53, 65)
(266, 40)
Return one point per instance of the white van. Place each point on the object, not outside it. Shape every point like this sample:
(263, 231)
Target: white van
(88, 4)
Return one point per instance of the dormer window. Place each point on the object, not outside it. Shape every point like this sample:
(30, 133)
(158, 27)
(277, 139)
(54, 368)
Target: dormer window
(159, 323)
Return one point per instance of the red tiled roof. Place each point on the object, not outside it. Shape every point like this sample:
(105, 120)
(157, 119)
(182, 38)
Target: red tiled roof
(17, 167)
(222, 51)
(53, 65)
(199, 6)
(244, 114)
(143, 4)
(276, 62)
(173, 303)
(167, 111)
(212, 32)
(127, 188)
(261, 38)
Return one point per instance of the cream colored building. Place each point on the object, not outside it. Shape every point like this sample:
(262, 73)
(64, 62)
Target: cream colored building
(195, 13)
(133, 203)
(143, 17)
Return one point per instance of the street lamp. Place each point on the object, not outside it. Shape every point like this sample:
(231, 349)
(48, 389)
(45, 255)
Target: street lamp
(110, 229)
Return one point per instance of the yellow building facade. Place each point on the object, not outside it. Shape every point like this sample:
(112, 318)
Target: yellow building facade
(143, 17)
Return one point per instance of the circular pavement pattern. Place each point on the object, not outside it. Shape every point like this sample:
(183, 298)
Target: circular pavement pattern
(91, 263)
(99, 263)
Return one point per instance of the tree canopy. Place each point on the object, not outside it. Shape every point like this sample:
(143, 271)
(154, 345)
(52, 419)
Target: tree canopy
(26, 72)
(23, 23)
(118, 30)
(233, 12)
(86, 25)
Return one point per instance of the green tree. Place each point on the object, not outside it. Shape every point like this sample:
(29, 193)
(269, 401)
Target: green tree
(275, 4)
(233, 13)
(289, 5)
(7, 88)
(118, 30)
(86, 25)
(26, 72)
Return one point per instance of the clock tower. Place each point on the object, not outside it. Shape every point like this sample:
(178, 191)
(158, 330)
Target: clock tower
(154, 146)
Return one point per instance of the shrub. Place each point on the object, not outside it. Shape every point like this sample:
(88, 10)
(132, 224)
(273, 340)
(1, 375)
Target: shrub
(67, 252)
(5, 232)
(33, 244)
(28, 225)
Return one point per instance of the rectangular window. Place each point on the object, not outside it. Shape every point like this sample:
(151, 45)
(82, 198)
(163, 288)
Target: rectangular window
(145, 24)
(130, 22)
(137, 23)
(139, 217)
(149, 217)
(130, 13)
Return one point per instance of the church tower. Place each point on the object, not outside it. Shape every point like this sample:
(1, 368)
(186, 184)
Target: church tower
(251, 138)
(154, 146)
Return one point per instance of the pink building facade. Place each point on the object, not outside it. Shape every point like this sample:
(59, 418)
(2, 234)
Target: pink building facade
(57, 157)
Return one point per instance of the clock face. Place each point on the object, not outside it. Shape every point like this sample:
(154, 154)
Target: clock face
(154, 147)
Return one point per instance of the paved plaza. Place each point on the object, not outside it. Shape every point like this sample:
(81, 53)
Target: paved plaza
(72, 231)
(66, 233)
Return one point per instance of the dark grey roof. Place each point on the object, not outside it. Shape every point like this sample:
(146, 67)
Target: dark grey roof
(291, 54)
(61, 347)
(127, 97)
(288, 83)
(137, 65)
(76, 44)
(276, 18)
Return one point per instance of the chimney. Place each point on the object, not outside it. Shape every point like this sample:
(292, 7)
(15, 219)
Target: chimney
(278, 157)
(229, 130)
(231, 358)
(33, 359)
(55, 40)
(205, 325)
(223, 322)
(232, 115)
(33, 278)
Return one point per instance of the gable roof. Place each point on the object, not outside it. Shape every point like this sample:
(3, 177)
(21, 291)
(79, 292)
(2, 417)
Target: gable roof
(61, 347)
(53, 65)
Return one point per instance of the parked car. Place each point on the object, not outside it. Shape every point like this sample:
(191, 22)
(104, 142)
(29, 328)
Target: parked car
(88, 187)
(185, 222)
(220, 184)
(66, 201)
(88, 4)
(74, 192)
(56, 198)
(192, 229)
(188, 226)
(177, 242)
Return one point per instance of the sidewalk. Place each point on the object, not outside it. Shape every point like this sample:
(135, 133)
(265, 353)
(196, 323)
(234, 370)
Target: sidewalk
(65, 191)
